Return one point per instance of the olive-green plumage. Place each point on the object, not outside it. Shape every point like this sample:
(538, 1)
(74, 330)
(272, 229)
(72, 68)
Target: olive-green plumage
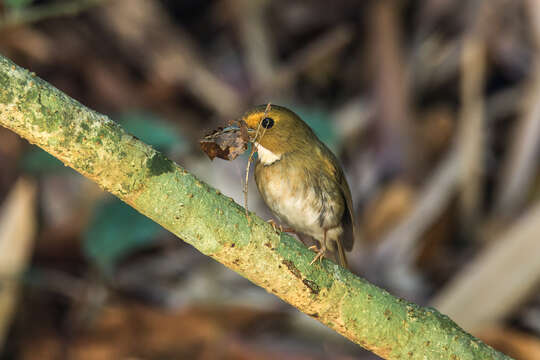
(300, 179)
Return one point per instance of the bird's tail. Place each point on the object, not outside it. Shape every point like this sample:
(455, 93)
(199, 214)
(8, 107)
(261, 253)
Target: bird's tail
(341, 255)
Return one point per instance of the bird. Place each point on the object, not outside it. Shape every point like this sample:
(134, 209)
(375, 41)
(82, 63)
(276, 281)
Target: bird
(301, 180)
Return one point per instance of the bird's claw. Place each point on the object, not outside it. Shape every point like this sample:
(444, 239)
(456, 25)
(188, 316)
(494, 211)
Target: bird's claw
(319, 256)
(279, 228)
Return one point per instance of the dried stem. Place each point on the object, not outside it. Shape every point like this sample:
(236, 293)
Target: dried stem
(250, 159)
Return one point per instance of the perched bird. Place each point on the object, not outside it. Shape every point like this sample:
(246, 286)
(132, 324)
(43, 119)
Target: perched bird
(301, 180)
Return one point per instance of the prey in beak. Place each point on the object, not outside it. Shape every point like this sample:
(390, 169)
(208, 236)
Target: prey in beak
(227, 143)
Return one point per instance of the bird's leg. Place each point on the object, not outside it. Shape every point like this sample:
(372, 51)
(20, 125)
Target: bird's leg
(279, 227)
(322, 250)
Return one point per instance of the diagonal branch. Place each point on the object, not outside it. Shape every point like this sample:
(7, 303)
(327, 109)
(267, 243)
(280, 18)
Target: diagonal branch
(99, 149)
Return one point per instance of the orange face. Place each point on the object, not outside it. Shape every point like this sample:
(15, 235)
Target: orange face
(277, 129)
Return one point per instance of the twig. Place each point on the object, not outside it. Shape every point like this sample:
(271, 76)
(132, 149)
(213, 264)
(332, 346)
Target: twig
(38, 13)
(17, 231)
(255, 39)
(433, 62)
(520, 164)
(471, 135)
(503, 104)
(321, 48)
(168, 53)
(499, 279)
(391, 89)
(401, 245)
(248, 165)
(434, 58)
(353, 117)
(250, 159)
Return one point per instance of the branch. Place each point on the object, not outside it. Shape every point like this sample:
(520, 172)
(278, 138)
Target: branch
(99, 149)
(37, 13)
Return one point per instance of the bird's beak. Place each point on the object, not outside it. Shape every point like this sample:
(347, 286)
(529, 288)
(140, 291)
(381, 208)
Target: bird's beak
(237, 128)
(251, 132)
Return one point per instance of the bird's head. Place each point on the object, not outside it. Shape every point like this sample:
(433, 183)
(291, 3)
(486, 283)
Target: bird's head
(278, 130)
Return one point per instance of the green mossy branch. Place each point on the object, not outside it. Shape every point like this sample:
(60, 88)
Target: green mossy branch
(101, 150)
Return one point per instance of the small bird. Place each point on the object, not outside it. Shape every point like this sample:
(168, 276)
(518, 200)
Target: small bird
(300, 179)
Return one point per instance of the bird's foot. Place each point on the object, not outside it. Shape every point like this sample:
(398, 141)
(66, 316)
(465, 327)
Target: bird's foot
(319, 256)
(279, 228)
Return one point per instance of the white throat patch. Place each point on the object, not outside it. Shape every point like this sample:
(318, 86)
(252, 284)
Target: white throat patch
(267, 157)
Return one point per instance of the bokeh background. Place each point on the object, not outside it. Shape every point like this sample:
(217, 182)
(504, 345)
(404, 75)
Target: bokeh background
(433, 107)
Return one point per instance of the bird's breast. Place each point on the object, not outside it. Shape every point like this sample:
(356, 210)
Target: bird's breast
(294, 195)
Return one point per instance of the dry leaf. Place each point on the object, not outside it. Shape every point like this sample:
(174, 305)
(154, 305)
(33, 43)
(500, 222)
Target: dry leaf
(226, 143)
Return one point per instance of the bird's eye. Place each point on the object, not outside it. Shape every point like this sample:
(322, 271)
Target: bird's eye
(267, 123)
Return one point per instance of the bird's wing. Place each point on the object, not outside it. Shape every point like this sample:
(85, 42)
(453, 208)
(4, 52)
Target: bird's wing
(348, 215)
(332, 167)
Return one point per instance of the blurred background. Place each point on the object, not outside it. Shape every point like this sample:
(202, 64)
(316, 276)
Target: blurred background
(433, 107)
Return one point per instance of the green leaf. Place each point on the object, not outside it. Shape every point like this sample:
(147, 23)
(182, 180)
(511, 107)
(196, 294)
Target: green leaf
(37, 161)
(17, 4)
(115, 231)
(152, 130)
